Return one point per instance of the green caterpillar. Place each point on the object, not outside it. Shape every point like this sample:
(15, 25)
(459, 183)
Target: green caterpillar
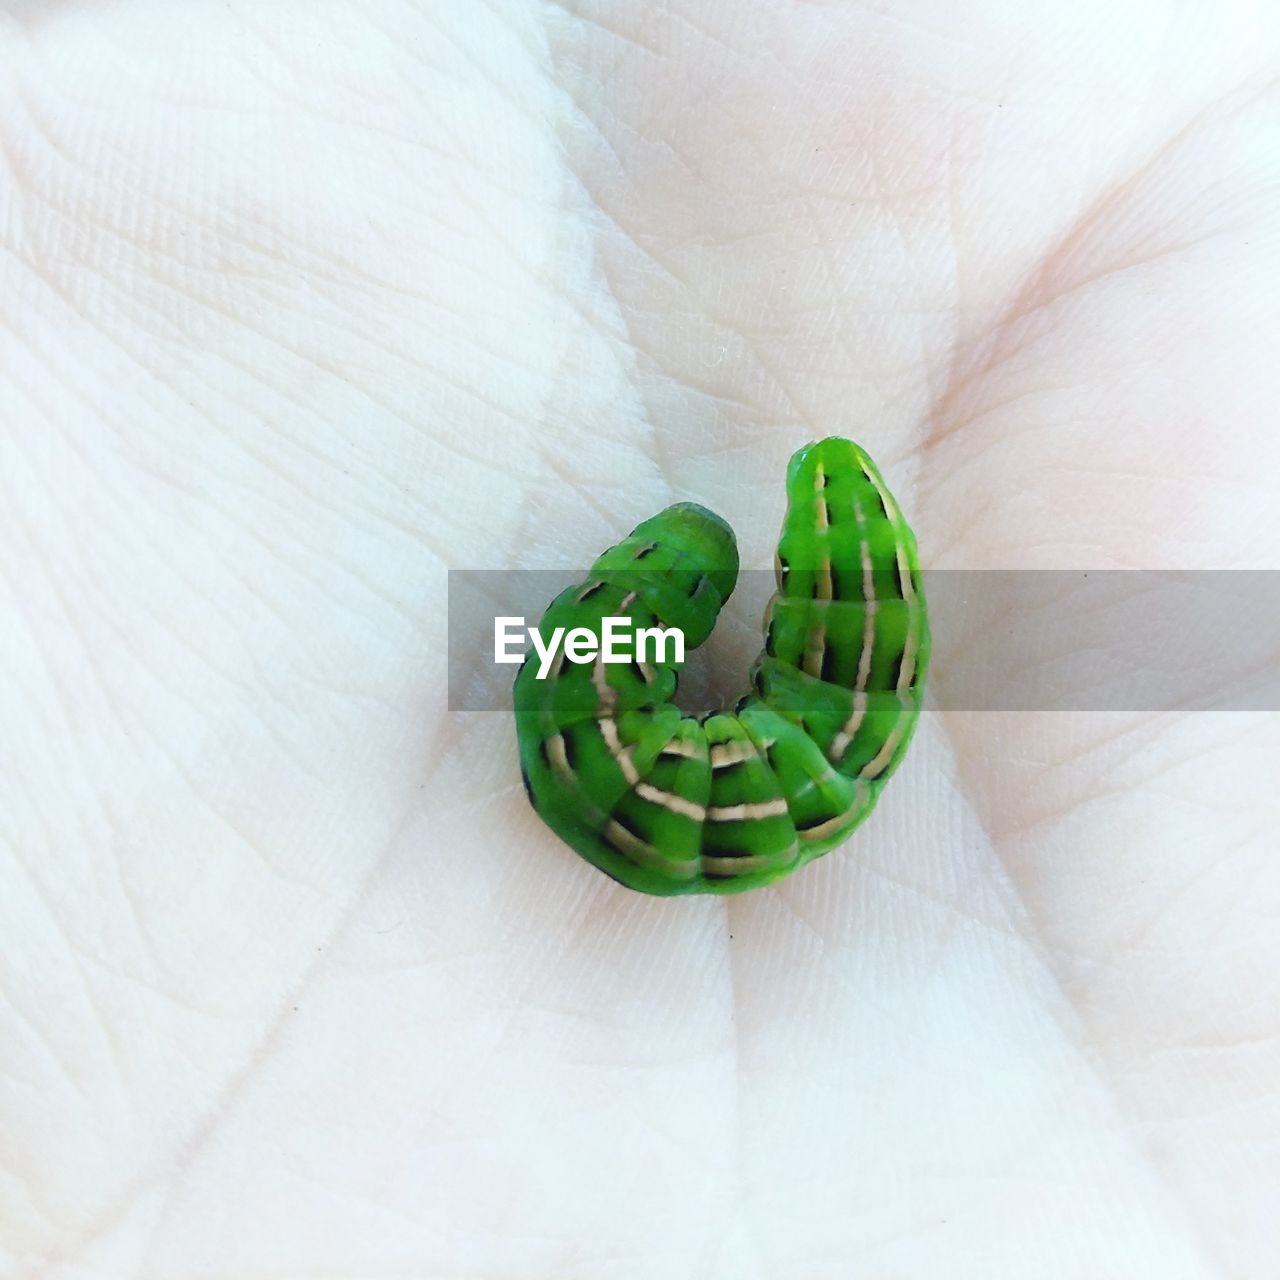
(668, 803)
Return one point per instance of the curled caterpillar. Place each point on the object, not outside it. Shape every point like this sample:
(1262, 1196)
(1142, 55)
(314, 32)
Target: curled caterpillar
(668, 803)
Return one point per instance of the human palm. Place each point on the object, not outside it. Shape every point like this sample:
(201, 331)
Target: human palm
(307, 304)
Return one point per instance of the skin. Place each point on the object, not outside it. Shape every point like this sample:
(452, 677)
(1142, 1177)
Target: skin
(305, 304)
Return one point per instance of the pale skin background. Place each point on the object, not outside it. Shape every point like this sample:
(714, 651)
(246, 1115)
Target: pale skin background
(306, 303)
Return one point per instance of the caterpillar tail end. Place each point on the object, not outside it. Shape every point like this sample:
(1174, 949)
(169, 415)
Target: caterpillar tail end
(706, 538)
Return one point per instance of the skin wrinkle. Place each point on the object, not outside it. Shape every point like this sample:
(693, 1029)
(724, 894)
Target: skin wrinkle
(270, 252)
(610, 280)
(829, 263)
(575, 12)
(1135, 939)
(105, 806)
(172, 689)
(60, 695)
(205, 803)
(576, 188)
(1094, 788)
(183, 1155)
(1044, 288)
(801, 415)
(635, 347)
(227, 513)
(101, 1023)
(303, 358)
(1102, 1067)
(232, 229)
(39, 1034)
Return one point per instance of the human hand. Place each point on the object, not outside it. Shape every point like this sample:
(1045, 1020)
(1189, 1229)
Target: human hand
(308, 304)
